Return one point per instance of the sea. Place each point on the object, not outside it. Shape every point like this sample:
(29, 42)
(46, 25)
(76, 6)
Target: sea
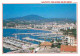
(10, 33)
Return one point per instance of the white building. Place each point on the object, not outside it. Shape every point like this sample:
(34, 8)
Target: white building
(70, 40)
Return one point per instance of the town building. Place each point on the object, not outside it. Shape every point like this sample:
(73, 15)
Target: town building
(45, 45)
(69, 40)
(67, 48)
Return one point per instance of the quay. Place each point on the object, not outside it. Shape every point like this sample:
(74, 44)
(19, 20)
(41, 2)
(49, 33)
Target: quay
(41, 34)
(27, 38)
(48, 37)
(14, 44)
(21, 51)
(37, 33)
(12, 47)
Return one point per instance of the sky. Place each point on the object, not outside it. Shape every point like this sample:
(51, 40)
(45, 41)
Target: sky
(44, 10)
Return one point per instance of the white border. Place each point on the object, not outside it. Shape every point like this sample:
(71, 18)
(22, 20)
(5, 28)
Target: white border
(36, 1)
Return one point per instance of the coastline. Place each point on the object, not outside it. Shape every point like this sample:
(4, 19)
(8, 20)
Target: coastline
(36, 29)
(41, 29)
(29, 28)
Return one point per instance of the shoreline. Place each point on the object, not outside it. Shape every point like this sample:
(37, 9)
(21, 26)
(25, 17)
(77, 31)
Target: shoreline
(35, 29)
(41, 29)
(30, 28)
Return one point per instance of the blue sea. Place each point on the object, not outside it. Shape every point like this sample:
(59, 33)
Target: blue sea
(5, 50)
(10, 32)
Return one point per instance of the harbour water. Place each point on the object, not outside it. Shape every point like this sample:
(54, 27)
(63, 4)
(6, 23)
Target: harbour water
(10, 32)
(5, 50)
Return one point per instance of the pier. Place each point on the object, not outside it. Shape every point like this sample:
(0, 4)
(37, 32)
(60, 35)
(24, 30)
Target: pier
(37, 33)
(41, 34)
(27, 38)
(14, 44)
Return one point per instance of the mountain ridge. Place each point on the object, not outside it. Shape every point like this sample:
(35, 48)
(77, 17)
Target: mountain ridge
(34, 19)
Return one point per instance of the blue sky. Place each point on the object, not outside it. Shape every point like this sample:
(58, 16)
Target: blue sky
(44, 10)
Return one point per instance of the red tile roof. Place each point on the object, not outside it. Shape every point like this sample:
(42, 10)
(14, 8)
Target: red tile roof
(46, 44)
(68, 48)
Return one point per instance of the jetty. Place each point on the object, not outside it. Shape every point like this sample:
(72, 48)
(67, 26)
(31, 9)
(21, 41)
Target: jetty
(37, 33)
(14, 44)
(31, 39)
(41, 34)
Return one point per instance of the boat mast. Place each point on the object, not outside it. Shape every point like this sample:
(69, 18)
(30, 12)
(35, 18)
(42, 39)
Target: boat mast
(15, 36)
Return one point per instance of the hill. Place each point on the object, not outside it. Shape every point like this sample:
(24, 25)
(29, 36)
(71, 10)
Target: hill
(34, 19)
